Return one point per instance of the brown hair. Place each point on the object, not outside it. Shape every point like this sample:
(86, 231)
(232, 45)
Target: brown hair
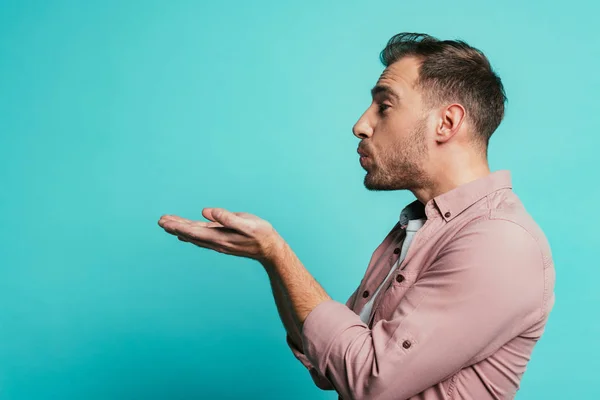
(451, 70)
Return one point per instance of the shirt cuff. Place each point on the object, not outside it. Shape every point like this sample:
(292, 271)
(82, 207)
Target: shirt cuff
(321, 381)
(298, 353)
(322, 326)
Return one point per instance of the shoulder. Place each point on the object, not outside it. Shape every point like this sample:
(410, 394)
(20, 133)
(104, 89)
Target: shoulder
(497, 233)
(501, 221)
(491, 241)
(510, 210)
(502, 241)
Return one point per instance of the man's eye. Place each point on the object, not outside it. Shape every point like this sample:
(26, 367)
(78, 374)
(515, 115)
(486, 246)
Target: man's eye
(383, 107)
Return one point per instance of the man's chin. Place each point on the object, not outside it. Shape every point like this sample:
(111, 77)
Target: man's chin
(371, 183)
(374, 182)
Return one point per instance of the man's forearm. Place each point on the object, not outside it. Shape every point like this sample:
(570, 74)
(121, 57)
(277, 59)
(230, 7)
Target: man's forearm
(284, 310)
(300, 293)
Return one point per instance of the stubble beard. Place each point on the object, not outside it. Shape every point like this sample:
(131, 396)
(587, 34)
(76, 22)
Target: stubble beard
(402, 166)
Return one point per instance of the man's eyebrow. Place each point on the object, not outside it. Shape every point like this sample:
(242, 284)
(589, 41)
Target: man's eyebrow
(384, 89)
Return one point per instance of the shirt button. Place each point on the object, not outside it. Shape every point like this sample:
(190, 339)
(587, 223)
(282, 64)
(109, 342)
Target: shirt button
(400, 278)
(406, 344)
(447, 215)
(366, 293)
(397, 250)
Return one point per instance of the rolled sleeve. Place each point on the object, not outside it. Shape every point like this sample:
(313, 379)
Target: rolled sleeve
(319, 379)
(484, 288)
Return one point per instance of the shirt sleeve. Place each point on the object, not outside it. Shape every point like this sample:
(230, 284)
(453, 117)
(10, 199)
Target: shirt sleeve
(484, 288)
(319, 379)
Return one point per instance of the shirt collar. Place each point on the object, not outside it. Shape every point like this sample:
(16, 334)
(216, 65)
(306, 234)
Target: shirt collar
(455, 201)
(414, 210)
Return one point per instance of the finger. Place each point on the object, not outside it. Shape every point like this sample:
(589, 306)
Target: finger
(208, 213)
(209, 224)
(176, 228)
(226, 218)
(172, 218)
(207, 236)
(203, 244)
(191, 223)
(176, 218)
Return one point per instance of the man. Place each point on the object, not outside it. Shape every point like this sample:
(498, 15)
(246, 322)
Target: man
(459, 292)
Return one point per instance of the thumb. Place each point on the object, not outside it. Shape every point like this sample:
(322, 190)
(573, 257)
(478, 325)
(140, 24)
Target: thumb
(224, 217)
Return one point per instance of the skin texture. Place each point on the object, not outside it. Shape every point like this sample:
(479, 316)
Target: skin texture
(410, 145)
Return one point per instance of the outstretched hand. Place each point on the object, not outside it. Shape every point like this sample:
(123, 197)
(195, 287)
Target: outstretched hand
(236, 233)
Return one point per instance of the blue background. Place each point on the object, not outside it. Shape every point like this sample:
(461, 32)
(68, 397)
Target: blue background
(113, 113)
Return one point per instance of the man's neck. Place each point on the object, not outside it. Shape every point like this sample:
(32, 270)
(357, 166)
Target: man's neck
(450, 178)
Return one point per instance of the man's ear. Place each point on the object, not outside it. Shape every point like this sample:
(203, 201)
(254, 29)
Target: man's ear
(451, 119)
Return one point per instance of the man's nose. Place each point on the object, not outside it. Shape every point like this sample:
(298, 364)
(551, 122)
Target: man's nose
(362, 128)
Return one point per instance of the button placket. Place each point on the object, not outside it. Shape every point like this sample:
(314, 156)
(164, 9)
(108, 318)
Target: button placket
(377, 302)
(387, 283)
(415, 242)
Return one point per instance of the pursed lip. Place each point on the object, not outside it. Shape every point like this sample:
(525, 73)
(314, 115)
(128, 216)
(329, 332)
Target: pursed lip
(362, 153)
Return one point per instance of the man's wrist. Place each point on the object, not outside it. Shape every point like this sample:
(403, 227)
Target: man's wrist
(274, 251)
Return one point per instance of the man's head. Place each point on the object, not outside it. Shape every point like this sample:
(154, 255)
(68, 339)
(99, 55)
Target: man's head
(434, 107)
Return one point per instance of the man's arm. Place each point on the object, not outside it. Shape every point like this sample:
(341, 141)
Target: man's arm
(283, 308)
(483, 289)
(300, 289)
(293, 338)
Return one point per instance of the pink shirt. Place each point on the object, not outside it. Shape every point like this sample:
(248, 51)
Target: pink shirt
(458, 319)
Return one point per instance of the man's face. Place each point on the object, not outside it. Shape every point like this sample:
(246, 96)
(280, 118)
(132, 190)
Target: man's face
(394, 131)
